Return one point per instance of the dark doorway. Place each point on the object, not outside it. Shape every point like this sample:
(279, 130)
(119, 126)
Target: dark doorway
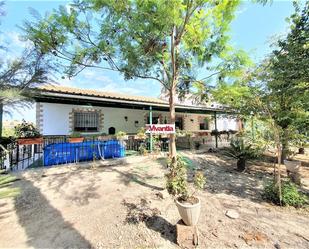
(111, 131)
(179, 123)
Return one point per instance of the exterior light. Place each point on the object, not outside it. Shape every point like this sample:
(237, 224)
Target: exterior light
(126, 118)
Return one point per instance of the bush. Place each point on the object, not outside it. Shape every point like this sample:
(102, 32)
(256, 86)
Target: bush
(142, 149)
(75, 135)
(241, 151)
(120, 135)
(6, 141)
(290, 194)
(26, 130)
(176, 179)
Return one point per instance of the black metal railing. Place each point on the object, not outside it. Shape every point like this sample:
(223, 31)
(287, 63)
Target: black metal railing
(18, 156)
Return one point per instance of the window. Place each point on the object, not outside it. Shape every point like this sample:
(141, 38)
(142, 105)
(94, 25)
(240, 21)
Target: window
(86, 121)
(204, 124)
(155, 120)
(178, 123)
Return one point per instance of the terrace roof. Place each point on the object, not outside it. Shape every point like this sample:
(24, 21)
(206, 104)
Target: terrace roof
(69, 95)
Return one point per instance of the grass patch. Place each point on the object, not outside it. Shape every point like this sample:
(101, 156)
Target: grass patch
(6, 182)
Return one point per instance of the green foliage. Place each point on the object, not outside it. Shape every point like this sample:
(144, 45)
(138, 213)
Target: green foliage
(156, 143)
(183, 133)
(240, 150)
(142, 149)
(75, 135)
(120, 135)
(215, 133)
(290, 194)
(141, 133)
(6, 189)
(4, 141)
(276, 91)
(26, 130)
(199, 180)
(142, 39)
(8, 132)
(176, 179)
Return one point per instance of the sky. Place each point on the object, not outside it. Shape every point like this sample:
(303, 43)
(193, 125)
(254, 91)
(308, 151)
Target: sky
(253, 29)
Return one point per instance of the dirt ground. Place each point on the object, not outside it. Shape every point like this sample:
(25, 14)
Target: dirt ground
(117, 206)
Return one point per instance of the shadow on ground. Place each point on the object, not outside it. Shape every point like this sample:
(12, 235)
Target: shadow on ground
(44, 225)
(221, 176)
(59, 183)
(141, 212)
(141, 178)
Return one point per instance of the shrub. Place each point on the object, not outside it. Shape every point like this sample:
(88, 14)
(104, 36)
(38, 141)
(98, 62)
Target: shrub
(215, 133)
(75, 135)
(141, 133)
(121, 135)
(290, 194)
(176, 179)
(26, 130)
(142, 149)
(241, 151)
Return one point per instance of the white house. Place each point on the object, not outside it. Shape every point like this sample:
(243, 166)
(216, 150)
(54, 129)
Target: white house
(63, 110)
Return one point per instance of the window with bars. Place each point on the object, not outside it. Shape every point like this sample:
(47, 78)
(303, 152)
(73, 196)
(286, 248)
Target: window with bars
(86, 121)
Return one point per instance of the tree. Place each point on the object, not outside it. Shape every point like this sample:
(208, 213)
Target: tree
(277, 90)
(165, 41)
(18, 75)
(289, 76)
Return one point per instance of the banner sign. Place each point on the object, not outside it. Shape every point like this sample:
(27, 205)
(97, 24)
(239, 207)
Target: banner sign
(160, 128)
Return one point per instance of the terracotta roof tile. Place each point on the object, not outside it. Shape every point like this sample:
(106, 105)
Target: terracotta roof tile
(96, 93)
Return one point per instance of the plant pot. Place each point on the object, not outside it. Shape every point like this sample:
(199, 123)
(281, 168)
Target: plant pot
(292, 166)
(241, 164)
(76, 139)
(122, 138)
(28, 141)
(189, 213)
(301, 151)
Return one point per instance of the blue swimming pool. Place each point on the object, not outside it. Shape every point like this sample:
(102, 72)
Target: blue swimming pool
(62, 153)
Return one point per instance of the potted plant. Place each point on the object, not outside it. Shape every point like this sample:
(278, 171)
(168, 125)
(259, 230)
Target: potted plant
(121, 135)
(76, 137)
(143, 149)
(240, 151)
(188, 205)
(141, 134)
(27, 134)
(197, 145)
(215, 133)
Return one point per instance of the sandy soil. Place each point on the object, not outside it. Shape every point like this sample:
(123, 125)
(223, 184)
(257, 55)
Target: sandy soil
(118, 207)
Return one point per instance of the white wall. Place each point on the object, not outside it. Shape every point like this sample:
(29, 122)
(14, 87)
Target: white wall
(114, 117)
(224, 124)
(55, 119)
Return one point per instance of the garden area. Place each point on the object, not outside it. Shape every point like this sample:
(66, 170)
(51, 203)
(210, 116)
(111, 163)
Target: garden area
(124, 205)
(244, 188)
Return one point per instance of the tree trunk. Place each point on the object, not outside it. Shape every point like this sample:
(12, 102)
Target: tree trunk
(172, 148)
(278, 171)
(285, 146)
(1, 118)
